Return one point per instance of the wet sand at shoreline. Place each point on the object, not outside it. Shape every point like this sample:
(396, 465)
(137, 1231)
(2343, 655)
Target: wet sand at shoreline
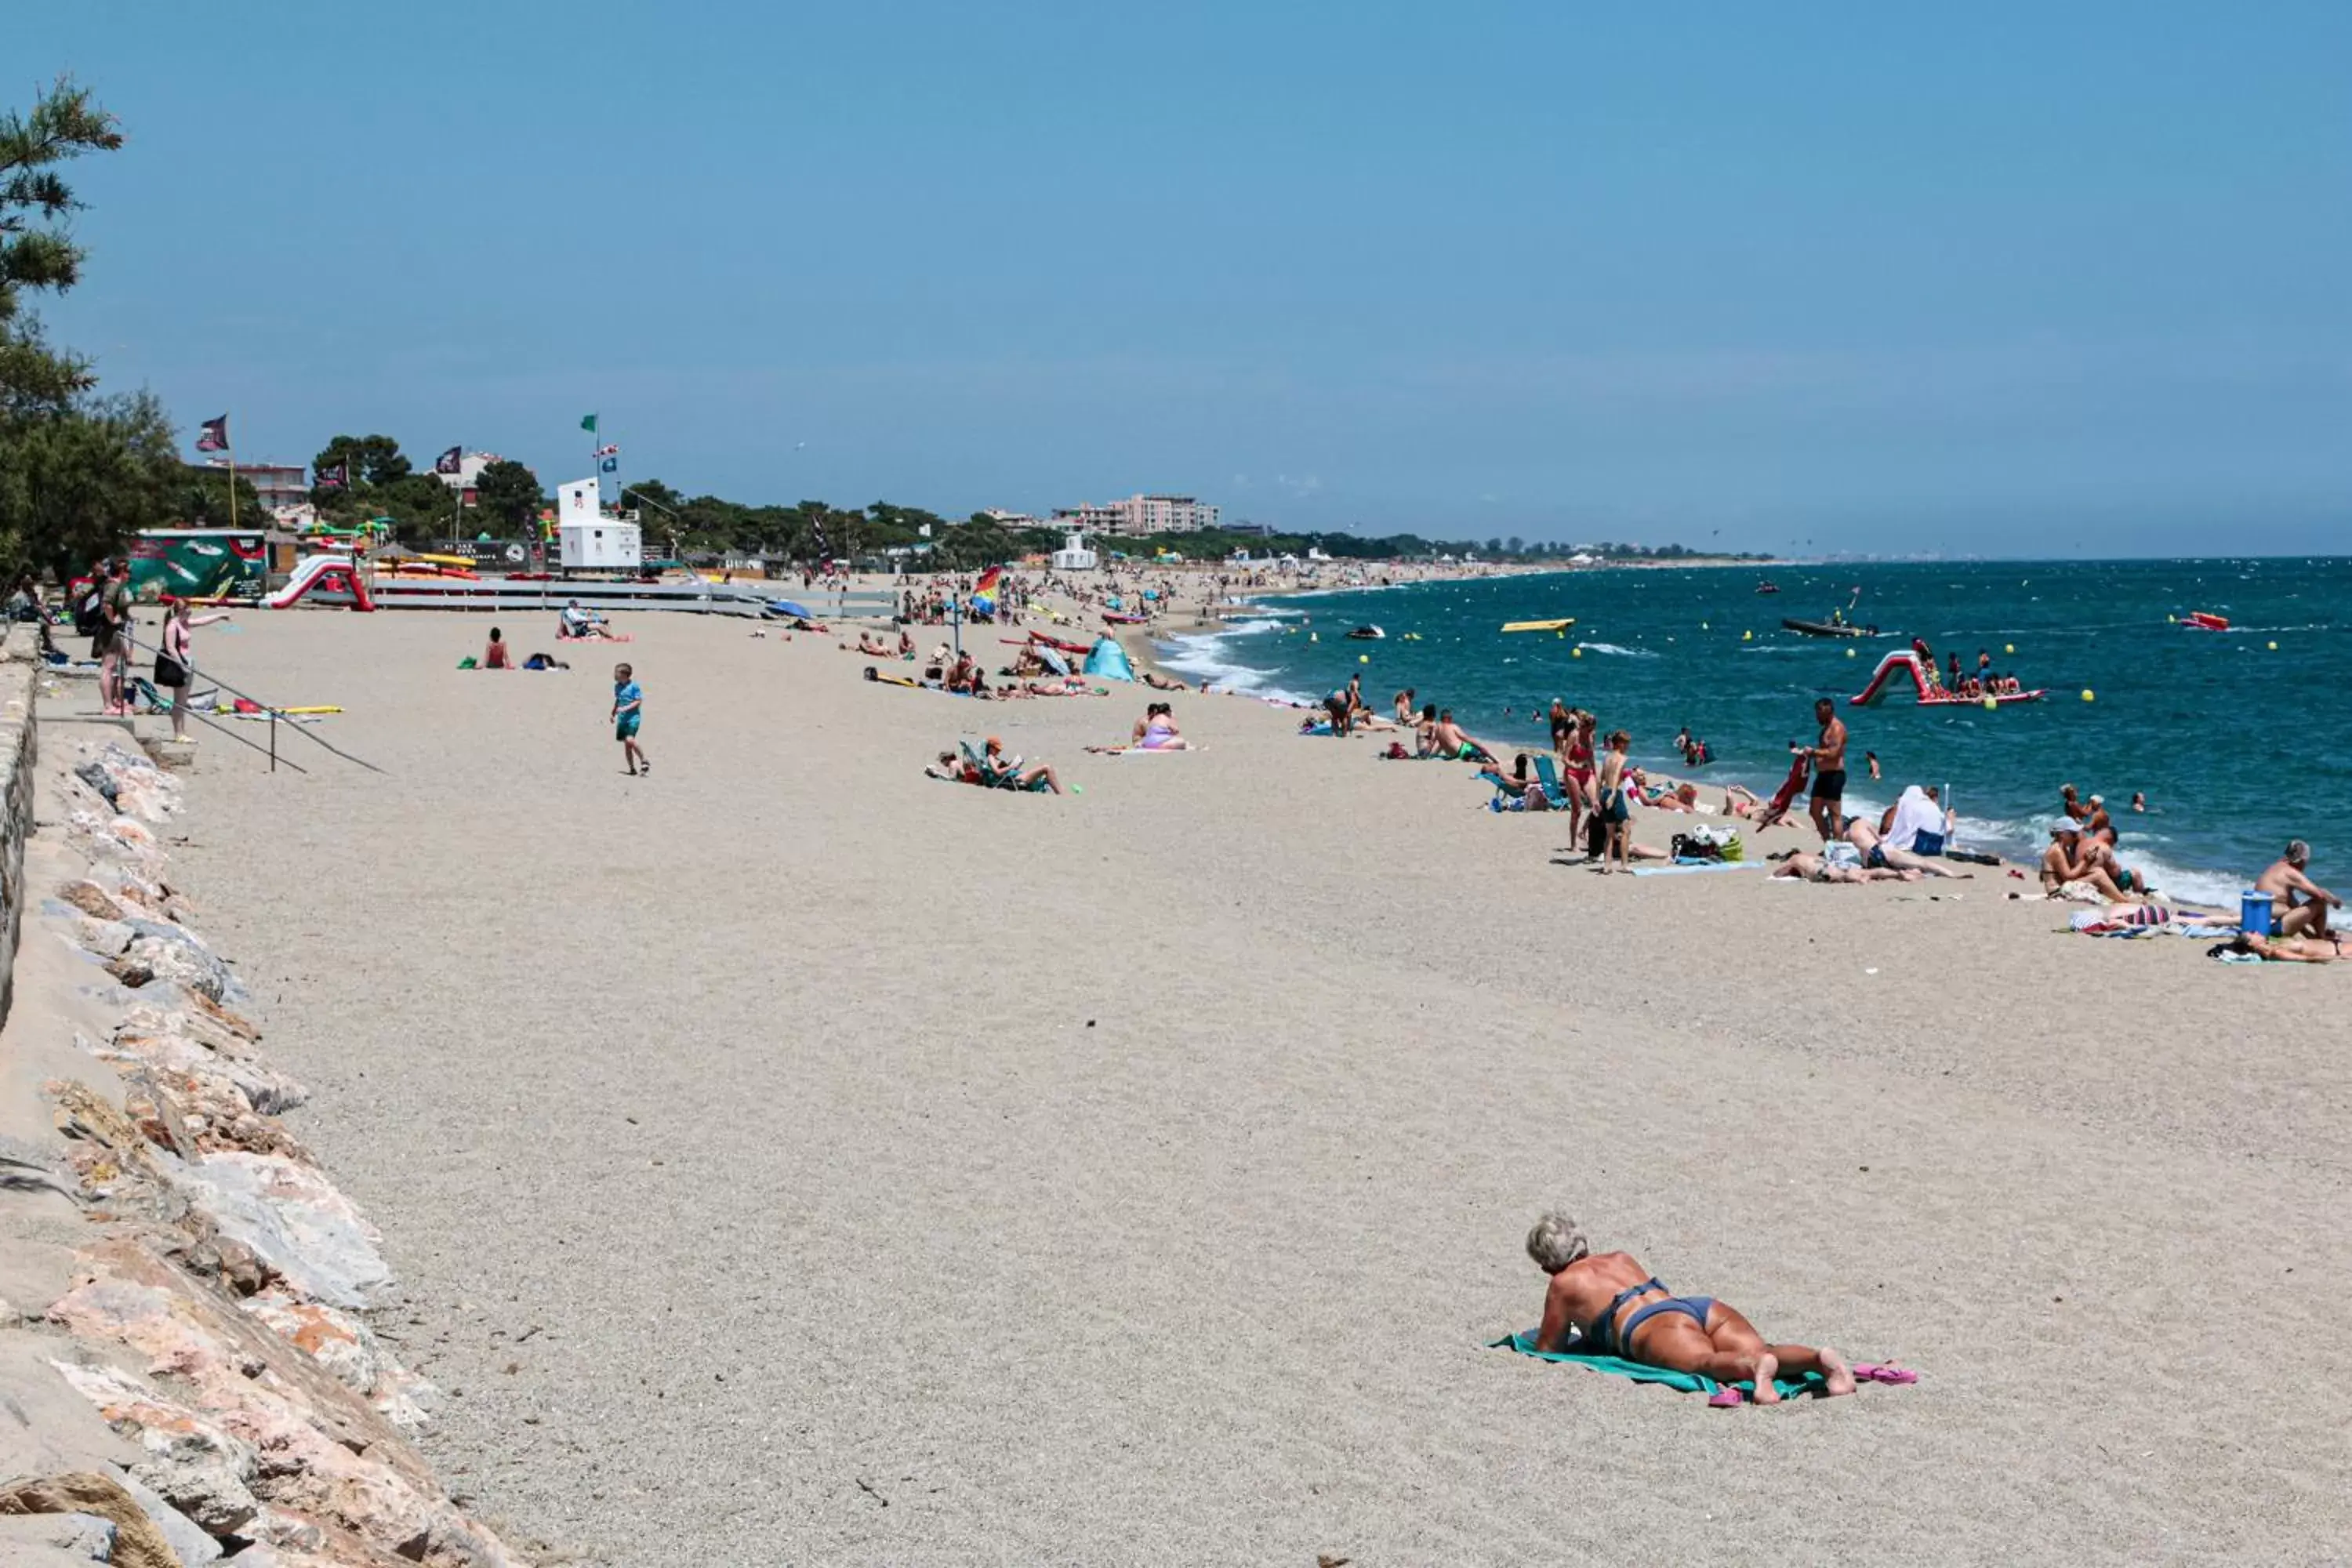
(1138, 1175)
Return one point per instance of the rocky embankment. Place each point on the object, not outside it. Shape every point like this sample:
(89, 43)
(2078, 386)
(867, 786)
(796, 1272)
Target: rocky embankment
(186, 1370)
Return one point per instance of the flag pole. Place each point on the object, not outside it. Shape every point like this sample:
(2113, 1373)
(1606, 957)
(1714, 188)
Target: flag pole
(230, 447)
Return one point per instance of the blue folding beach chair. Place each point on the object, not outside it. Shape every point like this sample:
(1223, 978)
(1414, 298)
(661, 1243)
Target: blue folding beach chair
(1548, 776)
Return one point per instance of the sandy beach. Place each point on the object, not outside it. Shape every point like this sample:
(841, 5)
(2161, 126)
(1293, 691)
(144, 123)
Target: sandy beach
(790, 1158)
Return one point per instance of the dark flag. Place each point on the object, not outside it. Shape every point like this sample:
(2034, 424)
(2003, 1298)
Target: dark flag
(337, 477)
(214, 436)
(448, 462)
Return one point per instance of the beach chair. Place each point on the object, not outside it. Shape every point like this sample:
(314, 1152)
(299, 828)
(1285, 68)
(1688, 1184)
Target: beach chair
(1550, 777)
(999, 775)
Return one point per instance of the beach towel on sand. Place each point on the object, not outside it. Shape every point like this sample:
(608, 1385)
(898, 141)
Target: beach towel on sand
(1681, 1382)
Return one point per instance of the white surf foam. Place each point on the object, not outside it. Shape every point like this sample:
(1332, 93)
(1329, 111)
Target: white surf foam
(1212, 657)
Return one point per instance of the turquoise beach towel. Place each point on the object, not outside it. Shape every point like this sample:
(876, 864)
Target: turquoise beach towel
(1681, 1382)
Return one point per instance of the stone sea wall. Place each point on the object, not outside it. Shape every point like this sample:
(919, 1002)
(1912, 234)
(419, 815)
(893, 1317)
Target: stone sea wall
(186, 1370)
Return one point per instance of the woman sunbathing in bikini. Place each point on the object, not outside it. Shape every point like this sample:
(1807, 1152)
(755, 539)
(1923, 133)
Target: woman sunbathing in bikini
(2290, 949)
(1807, 867)
(1608, 1304)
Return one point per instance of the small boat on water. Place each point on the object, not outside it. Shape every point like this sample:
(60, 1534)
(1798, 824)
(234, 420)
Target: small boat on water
(1766, 585)
(2205, 621)
(1367, 634)
(1829, 629)
(1558, 625)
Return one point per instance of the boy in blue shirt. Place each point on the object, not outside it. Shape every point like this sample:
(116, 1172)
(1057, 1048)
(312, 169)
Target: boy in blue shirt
(628, 708)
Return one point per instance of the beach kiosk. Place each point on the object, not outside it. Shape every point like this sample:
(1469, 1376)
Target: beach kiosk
(589, 541)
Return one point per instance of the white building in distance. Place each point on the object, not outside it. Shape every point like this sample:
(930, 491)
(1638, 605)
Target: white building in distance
(1138, 515)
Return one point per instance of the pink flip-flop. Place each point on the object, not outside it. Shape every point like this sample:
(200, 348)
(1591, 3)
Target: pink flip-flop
(1885, 1374)
(1723, 1398)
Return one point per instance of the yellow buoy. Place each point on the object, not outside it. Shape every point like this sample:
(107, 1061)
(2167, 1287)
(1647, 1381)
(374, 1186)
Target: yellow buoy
(1701, 625)
(2275, 647)
(2173, 620)
(1576, 653)
(1849, 653)
(1747, 636)
(2086, 694)
(2008, 647)
(1363, 658)
(1991, 703)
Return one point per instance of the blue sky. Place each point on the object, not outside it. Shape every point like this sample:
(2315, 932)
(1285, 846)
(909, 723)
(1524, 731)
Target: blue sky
(2004, 279)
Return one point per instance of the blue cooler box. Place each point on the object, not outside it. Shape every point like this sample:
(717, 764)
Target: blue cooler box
(2254, 913)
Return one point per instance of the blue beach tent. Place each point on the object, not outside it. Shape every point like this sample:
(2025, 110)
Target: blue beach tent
(1109, 661)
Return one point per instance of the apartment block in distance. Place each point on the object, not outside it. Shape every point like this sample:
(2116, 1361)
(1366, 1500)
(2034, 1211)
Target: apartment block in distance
(1138, 515)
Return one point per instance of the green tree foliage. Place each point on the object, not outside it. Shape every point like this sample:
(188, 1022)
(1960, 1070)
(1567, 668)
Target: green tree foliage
(76, 473)
(509, 493)
(373, 459)
(36, 250)
(74, 485)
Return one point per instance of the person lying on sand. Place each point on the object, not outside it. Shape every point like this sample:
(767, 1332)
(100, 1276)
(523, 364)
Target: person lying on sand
(872, 647)
(953, 769)
(1804, 865)
(1609, 1304)
(1877, 852)
(1738, 800)
(1681, 797)
(2289, 948)
(2299, 906)
(1159, 682)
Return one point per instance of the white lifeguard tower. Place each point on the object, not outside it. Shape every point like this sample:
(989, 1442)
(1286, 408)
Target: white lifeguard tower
(1074, 555)
(587, 540)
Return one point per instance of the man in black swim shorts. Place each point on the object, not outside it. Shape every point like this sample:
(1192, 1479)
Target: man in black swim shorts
(1829, 769)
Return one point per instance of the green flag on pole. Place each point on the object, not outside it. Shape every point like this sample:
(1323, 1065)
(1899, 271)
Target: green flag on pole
(588, 423)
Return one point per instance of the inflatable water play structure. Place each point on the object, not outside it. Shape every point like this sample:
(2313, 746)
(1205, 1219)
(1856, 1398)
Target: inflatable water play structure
(1927, 692)
(328, 571)
(1558, 625)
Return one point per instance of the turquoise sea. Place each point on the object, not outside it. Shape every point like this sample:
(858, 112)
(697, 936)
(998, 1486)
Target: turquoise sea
(2241, 740)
